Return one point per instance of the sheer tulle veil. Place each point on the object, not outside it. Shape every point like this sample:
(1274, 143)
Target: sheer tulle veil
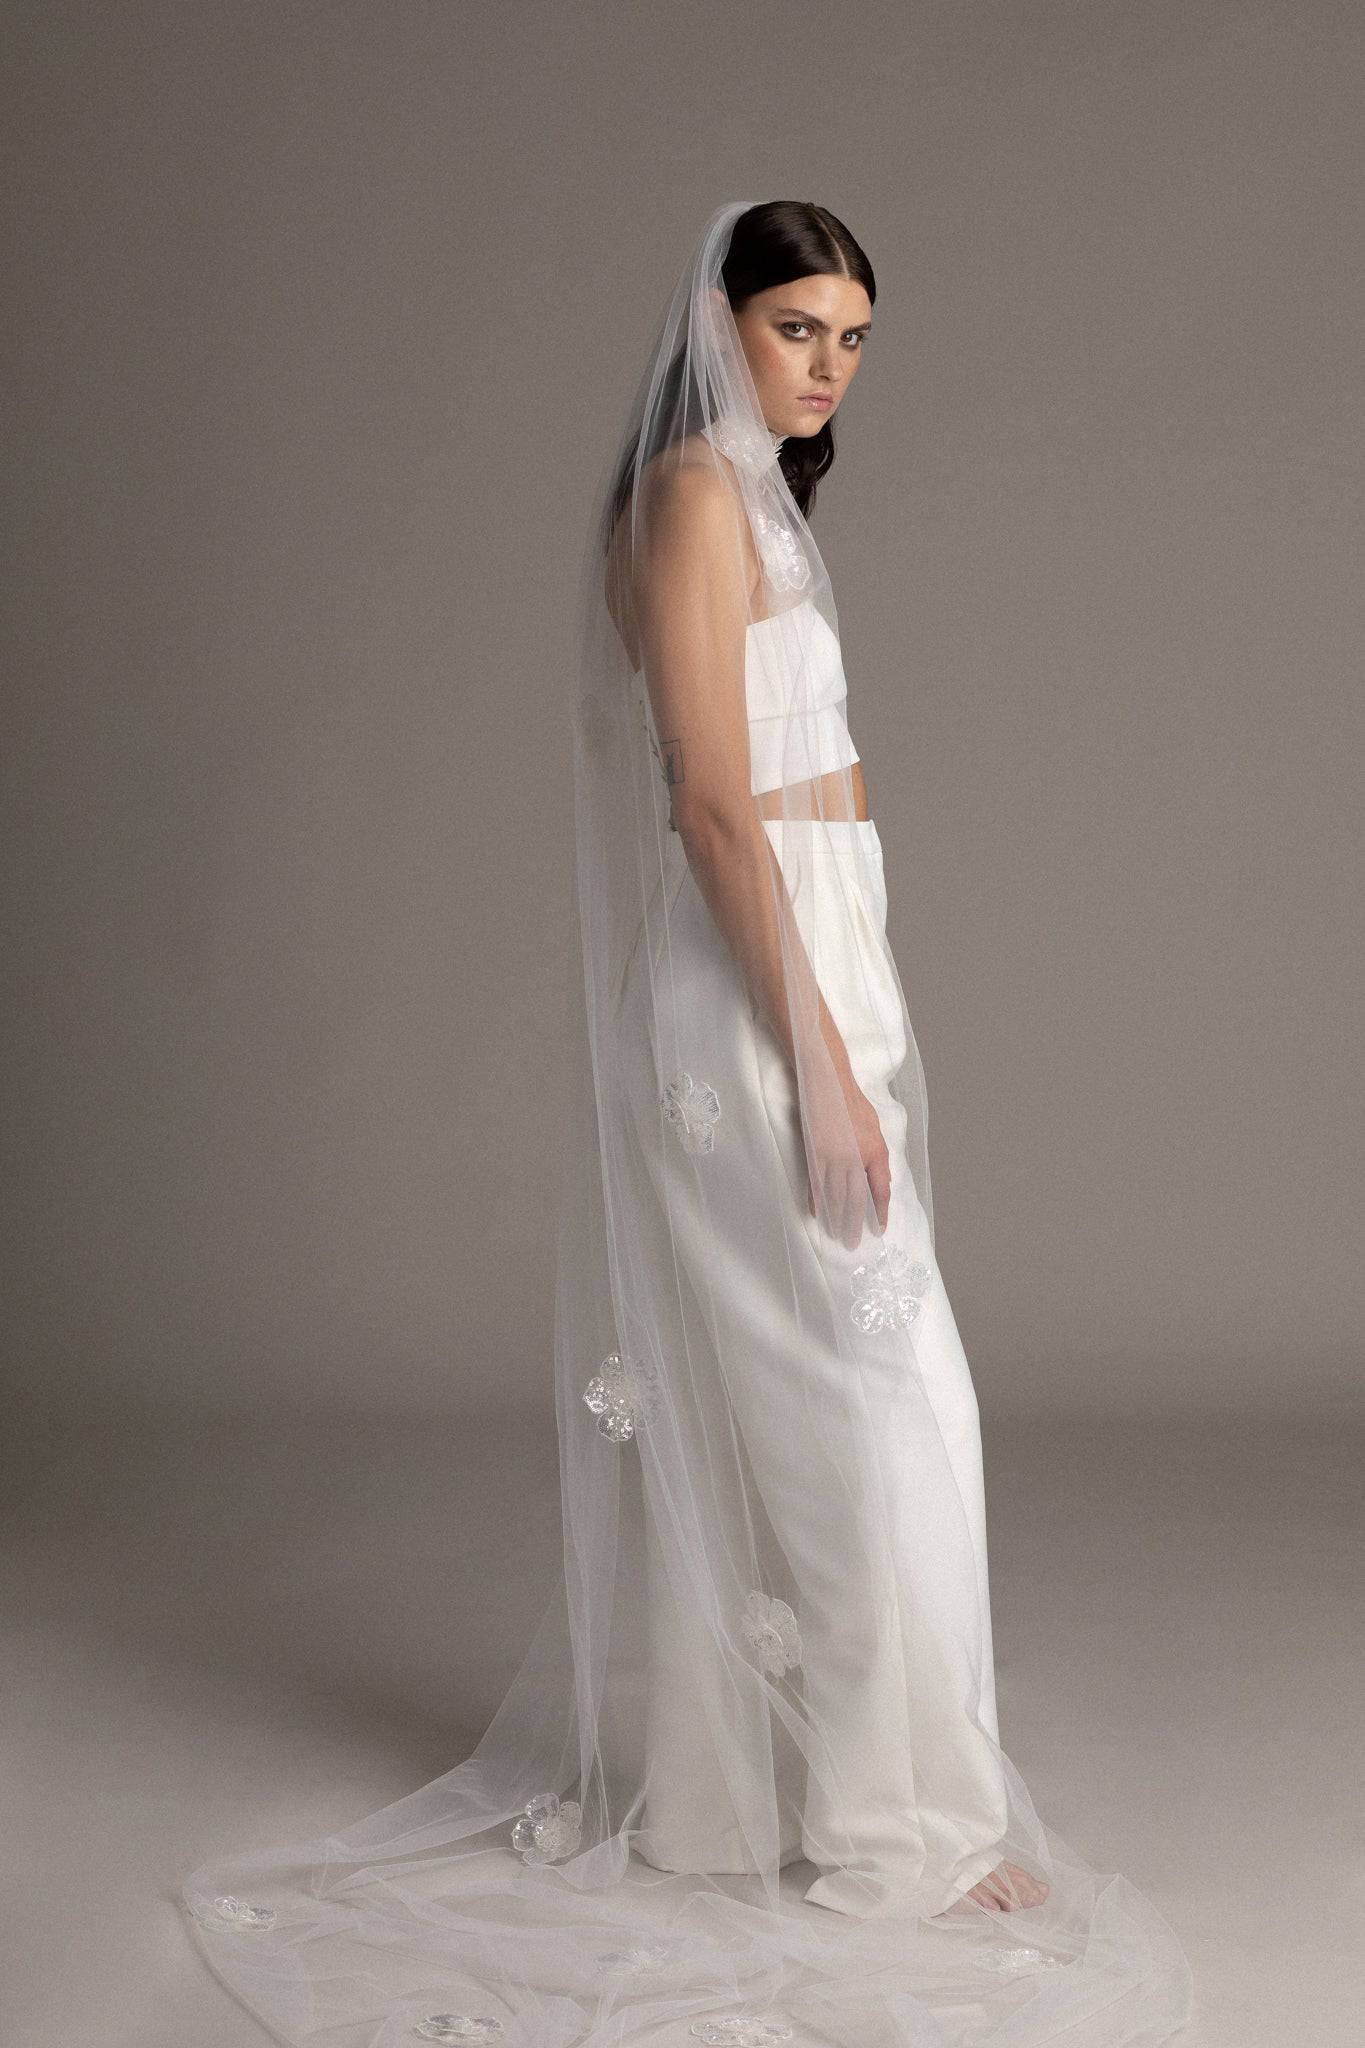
(746, 1779)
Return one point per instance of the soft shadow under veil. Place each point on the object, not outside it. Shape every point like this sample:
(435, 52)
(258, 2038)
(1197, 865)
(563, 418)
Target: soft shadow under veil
(750, 1767)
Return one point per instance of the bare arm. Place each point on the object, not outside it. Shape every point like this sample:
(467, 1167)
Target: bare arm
(693, 610)
(692, 606)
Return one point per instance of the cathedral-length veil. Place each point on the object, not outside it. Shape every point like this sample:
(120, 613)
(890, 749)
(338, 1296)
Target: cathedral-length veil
(749, 1770)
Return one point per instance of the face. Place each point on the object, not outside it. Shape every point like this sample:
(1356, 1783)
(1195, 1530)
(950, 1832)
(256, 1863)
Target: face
(803, 342)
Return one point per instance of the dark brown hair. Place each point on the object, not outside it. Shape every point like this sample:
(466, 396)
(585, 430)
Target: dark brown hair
(772, 243)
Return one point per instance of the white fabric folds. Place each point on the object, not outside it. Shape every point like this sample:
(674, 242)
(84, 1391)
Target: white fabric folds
(750, 1769)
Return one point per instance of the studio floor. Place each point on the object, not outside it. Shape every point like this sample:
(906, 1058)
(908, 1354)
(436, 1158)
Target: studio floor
(222, 1633)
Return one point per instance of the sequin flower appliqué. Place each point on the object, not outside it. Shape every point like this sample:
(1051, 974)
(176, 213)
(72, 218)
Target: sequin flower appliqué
(547, 1830)
(783, 556)
(1012, 1960)
(640, 1961)
(751, 444)
(770, 1629)
(457, 2026)
(622, 1393)
(227, 1911)
(741, 2031)
(887, 1290)
(693, 1109)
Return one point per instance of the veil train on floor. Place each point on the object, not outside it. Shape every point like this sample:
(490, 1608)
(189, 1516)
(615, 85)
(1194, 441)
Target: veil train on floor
(749, 1774)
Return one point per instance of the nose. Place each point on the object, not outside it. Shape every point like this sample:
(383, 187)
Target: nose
(825, 363)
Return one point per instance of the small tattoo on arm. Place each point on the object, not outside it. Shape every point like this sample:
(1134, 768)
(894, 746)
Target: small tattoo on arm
(670, 760)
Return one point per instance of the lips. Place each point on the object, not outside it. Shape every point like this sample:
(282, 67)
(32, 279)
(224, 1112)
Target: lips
(817, 399)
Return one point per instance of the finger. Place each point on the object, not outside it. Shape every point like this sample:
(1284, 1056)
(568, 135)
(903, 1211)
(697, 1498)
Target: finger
(838, 1221)
(879, 1180)
(821, 1204)
(839, 1209)
(855, 1206)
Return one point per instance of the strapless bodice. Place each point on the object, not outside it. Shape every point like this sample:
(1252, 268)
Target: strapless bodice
(780, 672)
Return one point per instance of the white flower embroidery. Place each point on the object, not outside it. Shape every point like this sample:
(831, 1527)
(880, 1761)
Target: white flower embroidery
(693, 1109)
(1012, 1959)
(783, 555)
(622, 1393)
(457, 2026)
(635, 1962)
(737, 2030)
(886, 1289)
(751, 444)
(546, 1830)
(770, 1629)
(227, 1911)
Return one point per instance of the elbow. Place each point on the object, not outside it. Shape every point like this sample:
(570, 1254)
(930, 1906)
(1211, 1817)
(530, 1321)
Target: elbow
(711, 830)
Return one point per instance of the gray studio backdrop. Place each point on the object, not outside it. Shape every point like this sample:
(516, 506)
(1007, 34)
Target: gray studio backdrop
(322, 320)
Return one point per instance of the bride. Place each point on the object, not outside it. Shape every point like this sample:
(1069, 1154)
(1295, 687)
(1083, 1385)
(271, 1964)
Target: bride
(748, 1784)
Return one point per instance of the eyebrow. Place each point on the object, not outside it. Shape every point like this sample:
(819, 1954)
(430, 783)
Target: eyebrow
(797, 312)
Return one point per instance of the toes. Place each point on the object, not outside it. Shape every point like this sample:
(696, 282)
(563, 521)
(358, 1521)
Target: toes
(1021, 1887)
(1007, 1887)
(1029, 1890)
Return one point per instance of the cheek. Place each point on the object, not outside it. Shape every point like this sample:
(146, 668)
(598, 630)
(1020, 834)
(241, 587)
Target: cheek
(774, 361)
(759, 355)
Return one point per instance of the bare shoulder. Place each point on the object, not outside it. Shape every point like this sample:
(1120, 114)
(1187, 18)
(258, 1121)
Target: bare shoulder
(684, 483)
(693, 507)
(683, 524)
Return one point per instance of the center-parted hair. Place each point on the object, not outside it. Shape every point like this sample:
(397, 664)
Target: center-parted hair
(772, 244)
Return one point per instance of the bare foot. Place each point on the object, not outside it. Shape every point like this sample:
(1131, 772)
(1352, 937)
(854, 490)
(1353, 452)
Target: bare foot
(1007, 1886)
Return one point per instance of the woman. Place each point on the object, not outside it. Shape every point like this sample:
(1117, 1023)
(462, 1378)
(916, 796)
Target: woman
(747, 1785)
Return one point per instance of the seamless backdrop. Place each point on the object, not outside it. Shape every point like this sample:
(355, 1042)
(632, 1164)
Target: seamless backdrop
(318, 326)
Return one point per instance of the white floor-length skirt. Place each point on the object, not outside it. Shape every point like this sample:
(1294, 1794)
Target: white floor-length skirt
(906, 1807)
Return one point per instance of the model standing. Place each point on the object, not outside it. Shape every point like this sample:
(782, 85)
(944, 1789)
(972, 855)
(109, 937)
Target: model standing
(748, 1785)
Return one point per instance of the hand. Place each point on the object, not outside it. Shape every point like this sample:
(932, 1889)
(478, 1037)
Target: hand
(846, 1155)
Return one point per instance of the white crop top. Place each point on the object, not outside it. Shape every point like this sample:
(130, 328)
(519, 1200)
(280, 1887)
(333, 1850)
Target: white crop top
(820, 742)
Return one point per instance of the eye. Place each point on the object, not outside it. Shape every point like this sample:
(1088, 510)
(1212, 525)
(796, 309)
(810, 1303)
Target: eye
(798, 329)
